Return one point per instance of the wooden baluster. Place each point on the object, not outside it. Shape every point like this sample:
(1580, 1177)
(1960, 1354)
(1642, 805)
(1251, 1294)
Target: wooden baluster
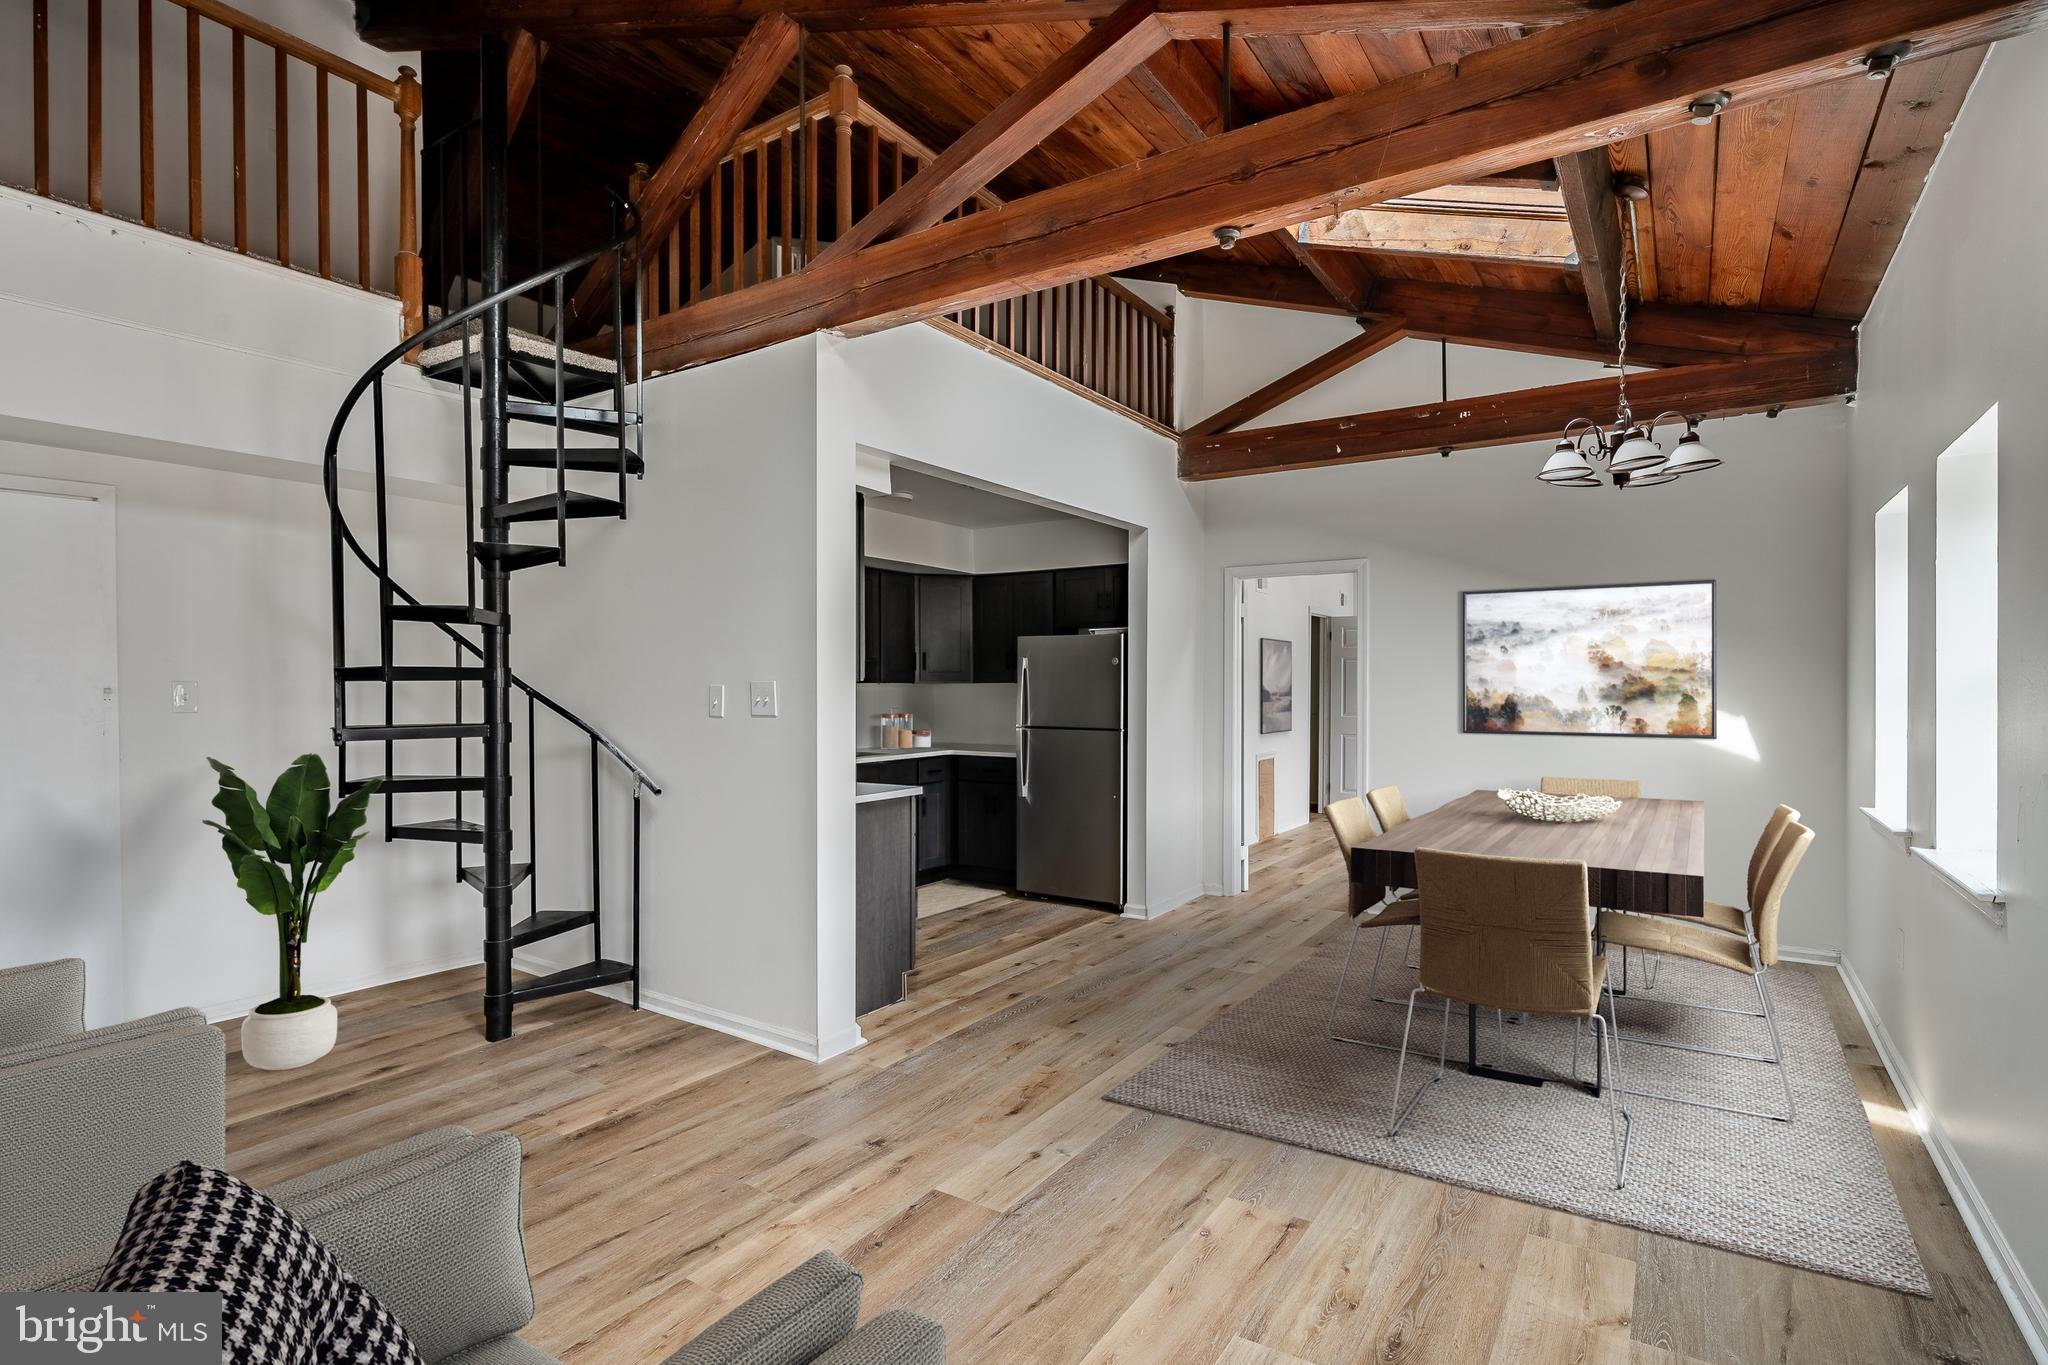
(284, 164)
(195, 184)
(897, 183)
(40, 39)
(761, 183)
(786, 256)
(696, 238)
(362, 187)
(241, 147)
(95, 164)
(739, 221)
(715, 212)
(874, 168)
(320, 157)
(145, 109)
(408, 277)
(675, 268)
(844, 101)
(812, 183)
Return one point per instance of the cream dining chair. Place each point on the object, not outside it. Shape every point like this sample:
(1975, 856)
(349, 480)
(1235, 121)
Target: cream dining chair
(1740, 939)
(1390, 909)
(1509, 934)
(1620, 788)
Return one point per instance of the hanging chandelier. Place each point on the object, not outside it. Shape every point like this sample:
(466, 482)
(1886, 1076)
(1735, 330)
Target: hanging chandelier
(1627, 452)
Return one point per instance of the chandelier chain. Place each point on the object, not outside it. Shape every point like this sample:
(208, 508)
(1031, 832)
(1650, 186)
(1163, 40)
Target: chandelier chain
(1628, 253)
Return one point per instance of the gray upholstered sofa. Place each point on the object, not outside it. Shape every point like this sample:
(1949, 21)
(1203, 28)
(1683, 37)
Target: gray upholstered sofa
(431, 1223)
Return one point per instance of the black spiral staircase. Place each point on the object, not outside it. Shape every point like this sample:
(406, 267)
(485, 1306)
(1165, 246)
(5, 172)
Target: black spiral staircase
(500, 386)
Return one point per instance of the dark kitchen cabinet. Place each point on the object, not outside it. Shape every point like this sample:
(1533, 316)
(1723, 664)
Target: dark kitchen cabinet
(985, 818)
(1091, 599)
(1007, 605)
(889, 611)
(935, 814)
(885, 902)
(945, 628)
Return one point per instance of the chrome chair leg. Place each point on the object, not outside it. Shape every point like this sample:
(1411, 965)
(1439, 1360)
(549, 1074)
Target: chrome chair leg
(1777, 1048)
(1336, 996)
(1371, 990)
(1397, 1113)
(1620, 1126)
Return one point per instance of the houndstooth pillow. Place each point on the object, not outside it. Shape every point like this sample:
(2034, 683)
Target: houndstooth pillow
(284, 1299)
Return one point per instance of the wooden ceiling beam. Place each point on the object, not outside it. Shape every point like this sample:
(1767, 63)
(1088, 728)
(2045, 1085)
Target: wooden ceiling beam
(753, 71)
(404, 25)
(1619, 74)
(1557, 323)
(1063, 88)
(1345, 278)
(1586, 181)
(523, 57)
(1375, 338)
(1723, 388)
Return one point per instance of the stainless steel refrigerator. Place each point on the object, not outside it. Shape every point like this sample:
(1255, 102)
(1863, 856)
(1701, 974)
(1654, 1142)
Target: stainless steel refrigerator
(1070, 766)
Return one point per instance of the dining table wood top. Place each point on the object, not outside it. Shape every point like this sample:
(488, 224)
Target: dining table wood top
(1649, 856)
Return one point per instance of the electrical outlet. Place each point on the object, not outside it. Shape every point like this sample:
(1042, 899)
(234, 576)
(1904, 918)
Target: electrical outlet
(714, 700)
(761, 698)
(184, 697)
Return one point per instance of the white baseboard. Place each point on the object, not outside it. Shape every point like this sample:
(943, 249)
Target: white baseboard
(1164, 905)
(2006, 1271)
(1818, 957)
(222, 1011)
(791, 1041)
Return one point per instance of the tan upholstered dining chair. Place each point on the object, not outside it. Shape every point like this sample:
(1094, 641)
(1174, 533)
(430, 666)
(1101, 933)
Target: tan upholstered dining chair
(1389, 909)
(1620, 788)
(1740, 939)
(1510, 934)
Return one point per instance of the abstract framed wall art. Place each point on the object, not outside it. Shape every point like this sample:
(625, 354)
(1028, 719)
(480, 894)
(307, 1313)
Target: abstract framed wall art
(1276, 686)
(1636, 659)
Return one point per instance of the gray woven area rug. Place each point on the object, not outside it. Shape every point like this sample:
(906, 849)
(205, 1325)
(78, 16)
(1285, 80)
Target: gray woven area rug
(1812, 1193)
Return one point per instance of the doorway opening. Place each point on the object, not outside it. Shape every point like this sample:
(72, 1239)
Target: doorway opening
(1295, 738)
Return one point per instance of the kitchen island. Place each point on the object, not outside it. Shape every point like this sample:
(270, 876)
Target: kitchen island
(885, 891)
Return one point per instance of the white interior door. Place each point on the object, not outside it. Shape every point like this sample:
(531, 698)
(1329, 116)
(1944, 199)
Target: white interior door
(1343, 773)
(60, 807)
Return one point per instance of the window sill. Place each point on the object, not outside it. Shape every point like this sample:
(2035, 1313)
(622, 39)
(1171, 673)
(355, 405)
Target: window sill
(1966, 881)
(1884, 826)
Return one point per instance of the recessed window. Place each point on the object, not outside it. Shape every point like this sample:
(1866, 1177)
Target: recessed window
(1966, 656)
(1890, 714)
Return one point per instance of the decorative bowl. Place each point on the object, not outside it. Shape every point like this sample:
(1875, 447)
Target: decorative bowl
(1558, 810)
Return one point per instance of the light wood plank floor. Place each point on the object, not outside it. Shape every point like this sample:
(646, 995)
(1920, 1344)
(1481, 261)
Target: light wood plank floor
(964, 1160)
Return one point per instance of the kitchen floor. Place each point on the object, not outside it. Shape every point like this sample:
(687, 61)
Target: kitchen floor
(936, 898)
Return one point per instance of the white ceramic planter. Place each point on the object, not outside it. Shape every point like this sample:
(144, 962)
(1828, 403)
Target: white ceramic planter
(279, 1042)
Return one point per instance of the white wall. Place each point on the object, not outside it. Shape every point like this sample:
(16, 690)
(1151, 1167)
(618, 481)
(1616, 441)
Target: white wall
(1768, 526)
(712, 579)
(1956, 327)
(221, 579)
(1057, 543)
(1283, 609)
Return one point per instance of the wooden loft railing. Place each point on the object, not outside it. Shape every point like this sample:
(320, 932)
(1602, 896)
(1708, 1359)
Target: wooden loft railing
(793, 183)
(292, 61)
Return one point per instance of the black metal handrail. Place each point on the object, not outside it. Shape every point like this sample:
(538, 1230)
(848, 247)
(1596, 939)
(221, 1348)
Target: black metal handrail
(344, 535)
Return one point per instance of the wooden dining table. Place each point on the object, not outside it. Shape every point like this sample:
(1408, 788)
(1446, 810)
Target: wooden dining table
(1649, 856)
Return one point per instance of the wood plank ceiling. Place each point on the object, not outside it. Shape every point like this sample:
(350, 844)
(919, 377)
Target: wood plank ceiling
(1791, 206)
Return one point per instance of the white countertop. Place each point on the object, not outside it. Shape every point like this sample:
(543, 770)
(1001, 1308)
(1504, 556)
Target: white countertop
(864, 792)
(938, 750)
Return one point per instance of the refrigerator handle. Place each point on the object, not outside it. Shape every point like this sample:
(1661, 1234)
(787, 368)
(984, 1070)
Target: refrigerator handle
(1023, 690)
(1023, 764)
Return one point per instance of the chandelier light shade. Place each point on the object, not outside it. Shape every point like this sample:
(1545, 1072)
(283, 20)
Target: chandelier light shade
(1626, 452)
(1691, 455)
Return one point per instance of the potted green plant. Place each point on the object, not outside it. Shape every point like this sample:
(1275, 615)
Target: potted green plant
(286, 850)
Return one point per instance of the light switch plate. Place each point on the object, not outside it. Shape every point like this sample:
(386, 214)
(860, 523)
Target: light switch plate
(714, 700)
(761, 698)
(184, 696)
